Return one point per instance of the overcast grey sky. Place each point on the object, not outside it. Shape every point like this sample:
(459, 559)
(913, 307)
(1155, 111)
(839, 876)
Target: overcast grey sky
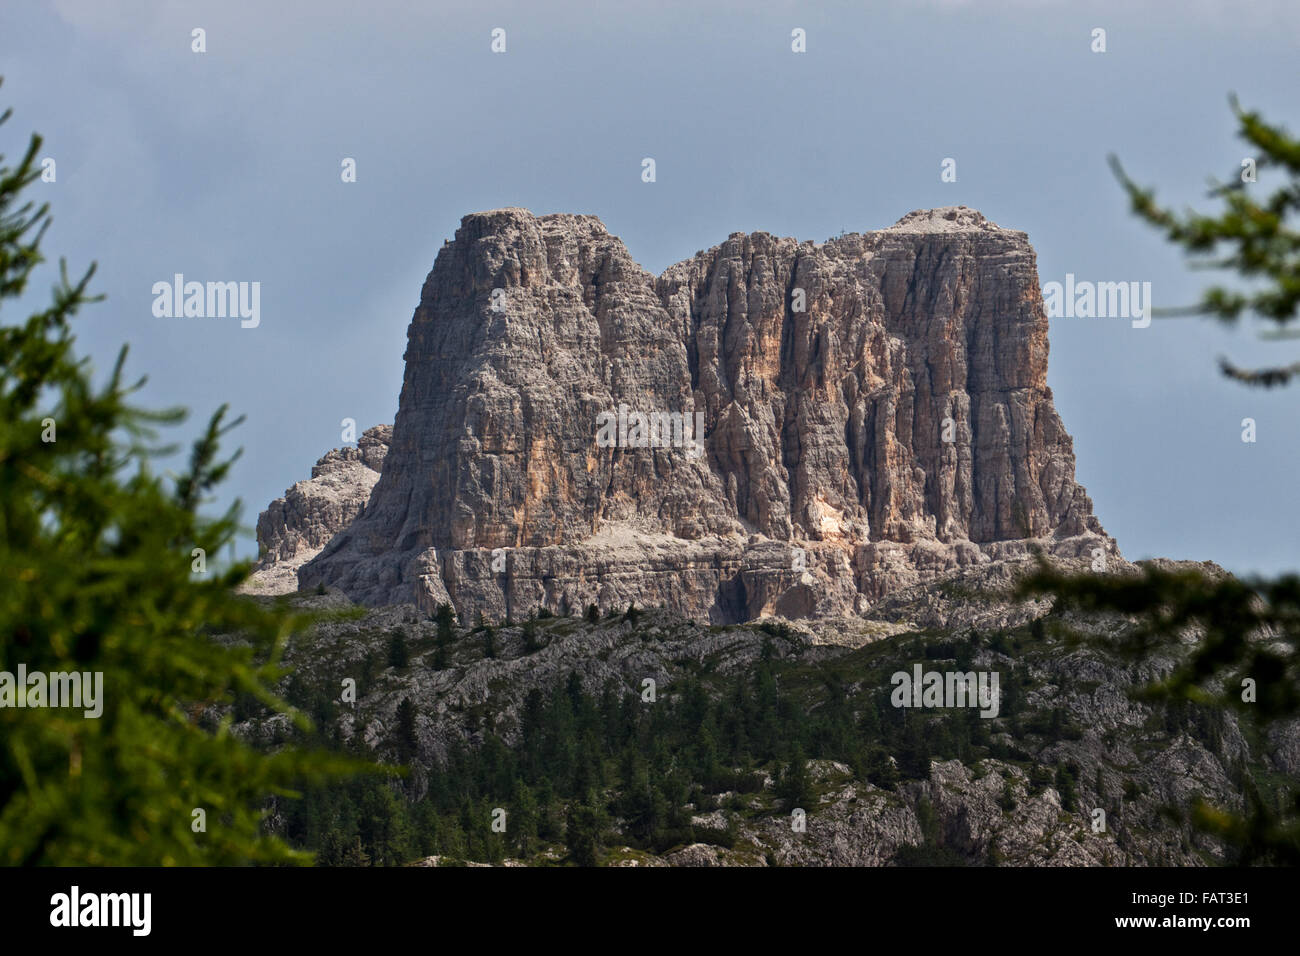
(225, 165)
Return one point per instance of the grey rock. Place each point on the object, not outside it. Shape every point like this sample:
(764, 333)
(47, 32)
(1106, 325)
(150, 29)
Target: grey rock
(827, 376)
(294, 529)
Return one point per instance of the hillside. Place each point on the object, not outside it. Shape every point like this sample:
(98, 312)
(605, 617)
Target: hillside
(554, 727)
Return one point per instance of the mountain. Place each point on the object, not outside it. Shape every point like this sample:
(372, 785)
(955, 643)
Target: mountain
(646, 559)
(771, 427)
(294, 529)
(652, 739)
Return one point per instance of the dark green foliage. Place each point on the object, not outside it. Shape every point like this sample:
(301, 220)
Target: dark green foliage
(881, 770)
(366, 673)
(99, 575)
(1066, 783)
(1261, 238)
(408, 743)
(582, 834)
(941, 651)
(398, 655)
(355, 855)
(775, 628)
(593, 614)
(446, 634)
(930, 852)
(795, 786)
(1007, 800)
(532, 639)
(586, 758)
(1263, 246)
(1012, 686)
(1040, 778)
(1230, 669)
(914, 754)
(444, 615)
(1054, 725)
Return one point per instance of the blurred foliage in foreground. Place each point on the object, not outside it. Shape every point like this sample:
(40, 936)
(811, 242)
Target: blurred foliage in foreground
(96, 557)
(1246, 659)
(1261, 239)
(1245, 631)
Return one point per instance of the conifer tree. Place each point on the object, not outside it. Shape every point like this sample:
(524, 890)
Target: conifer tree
(107, 569)
(1256, 238)
(1247, 660)
(398, 654)
(530, 632)
(408, 741)
(795, 787)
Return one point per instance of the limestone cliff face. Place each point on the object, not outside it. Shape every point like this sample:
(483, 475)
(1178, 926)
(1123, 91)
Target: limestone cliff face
(294, 529)
(874, 408)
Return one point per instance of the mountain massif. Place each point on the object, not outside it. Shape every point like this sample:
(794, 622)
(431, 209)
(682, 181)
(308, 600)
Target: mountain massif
(644, 559)
(771, 427)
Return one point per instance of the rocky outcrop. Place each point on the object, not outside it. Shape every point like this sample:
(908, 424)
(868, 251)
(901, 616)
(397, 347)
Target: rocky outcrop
(294, 529)
(1077, 710)
(872, 413)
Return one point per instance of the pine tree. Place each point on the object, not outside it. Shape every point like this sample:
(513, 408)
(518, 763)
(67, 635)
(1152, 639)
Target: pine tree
(1007, 801)
(1065, 785)
(637, 806)
(444, 615)
(582, 832)
(445, 619)
(530, 633)
(524, 819)
(1259, 240)
(408, 740)
(795, 786)
(1261, 244)
(398, 654)
(914, 756)
(882, 771)
(108, 568)
(333, 849)
(356, 855)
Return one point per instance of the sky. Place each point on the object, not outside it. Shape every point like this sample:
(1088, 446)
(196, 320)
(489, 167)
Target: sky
(226, 165)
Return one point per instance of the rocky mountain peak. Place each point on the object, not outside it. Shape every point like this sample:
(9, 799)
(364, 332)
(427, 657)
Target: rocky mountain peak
(770, 426)
(294, 528)
(945, 219)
